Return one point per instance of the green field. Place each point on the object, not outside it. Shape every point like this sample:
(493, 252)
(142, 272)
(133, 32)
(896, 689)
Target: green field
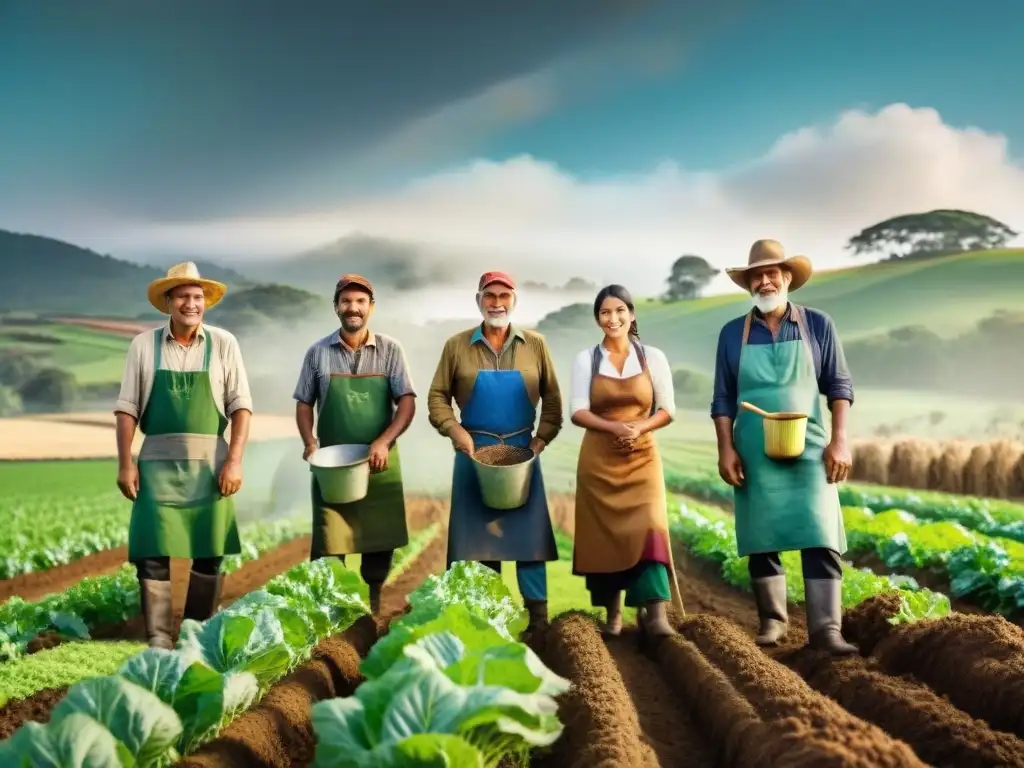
(94, 357)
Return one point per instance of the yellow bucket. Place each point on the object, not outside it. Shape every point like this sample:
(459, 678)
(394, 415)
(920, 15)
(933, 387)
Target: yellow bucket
(785, 435)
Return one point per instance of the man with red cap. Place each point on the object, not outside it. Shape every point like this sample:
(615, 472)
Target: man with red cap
(360, 384)
(497, 373)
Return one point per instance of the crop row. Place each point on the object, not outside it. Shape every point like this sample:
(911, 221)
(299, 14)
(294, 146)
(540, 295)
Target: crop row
(991, 517)
(109, 599)
(710, 535)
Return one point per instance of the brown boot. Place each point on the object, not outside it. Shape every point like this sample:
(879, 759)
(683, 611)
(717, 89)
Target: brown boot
(538, 615)
(770, 594)
(656, 621)
(825, 616)
(613, 615)
(203, 597)
(157, 613)
(375, 590)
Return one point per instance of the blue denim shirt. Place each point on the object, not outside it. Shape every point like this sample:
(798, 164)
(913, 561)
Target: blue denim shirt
(829, 362)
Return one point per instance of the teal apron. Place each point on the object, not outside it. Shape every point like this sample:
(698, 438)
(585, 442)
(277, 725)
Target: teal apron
(357, 410)
(783, 505)
(179, 511)
(499, 406)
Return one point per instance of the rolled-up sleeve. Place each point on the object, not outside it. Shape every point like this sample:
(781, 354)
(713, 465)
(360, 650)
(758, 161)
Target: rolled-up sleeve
(129, 399)
(723, 401)
(399, 378)
(440, 413)
(306, 387)
(237, 396)
(661, 375)
(550, 423)
(834, 382)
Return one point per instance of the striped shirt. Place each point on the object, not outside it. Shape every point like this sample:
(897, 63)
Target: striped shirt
(466, 353)
(380, 355)
(228, 379)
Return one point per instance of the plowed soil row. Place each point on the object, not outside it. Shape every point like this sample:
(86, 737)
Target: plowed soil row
(278, 732)
(37, 585)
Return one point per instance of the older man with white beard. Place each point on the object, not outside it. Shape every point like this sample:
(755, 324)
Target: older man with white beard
(497, 373)
(783, 357)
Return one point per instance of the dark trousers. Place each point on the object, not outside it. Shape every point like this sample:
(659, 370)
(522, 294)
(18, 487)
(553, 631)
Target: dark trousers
(374, 567)
(817, 563)
(159, 568)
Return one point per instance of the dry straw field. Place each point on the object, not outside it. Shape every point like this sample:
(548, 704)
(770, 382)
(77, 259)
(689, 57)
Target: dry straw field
(993, 469)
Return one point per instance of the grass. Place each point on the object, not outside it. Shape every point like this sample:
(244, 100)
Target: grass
(93, 356)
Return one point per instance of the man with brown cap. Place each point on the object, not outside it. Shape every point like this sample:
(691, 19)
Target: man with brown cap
(497, 373)
(183, 382)
(359, 383)
(782, 357)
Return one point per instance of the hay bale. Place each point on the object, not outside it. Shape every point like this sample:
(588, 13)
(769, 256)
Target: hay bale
(871, 461)
(946, 472)
(1017, 480)
(911, 459)
(976, 472)
(999, 471)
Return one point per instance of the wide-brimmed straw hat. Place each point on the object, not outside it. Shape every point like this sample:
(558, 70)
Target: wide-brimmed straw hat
(185, 273)
(767, 253)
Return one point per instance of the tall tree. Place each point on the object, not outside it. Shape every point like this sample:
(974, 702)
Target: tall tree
(689, 276)
(935, 232)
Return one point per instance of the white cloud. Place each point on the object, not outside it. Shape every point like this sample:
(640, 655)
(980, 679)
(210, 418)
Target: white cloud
(815, 188)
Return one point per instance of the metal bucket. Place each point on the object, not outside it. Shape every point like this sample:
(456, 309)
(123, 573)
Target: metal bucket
(504, 473)
(342, 472)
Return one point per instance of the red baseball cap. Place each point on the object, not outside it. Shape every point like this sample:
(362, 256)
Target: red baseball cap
(503, 278)
(358, 281)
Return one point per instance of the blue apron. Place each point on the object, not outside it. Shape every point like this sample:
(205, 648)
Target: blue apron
(500, 405)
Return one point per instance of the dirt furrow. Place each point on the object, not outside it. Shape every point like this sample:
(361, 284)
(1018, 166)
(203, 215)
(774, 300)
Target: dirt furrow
(38, 584)
(278, 732)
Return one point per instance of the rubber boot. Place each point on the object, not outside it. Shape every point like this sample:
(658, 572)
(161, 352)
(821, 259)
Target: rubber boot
(613, 615)
(825, 616)
(538, 610)
(770, 594)
(203, 598)
(656, 619)
(157, 612)
(375, 590)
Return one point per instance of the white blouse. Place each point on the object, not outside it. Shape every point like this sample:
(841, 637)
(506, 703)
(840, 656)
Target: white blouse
(657, 363)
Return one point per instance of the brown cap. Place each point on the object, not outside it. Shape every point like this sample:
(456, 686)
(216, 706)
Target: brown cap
(350, 280)
(487, 278)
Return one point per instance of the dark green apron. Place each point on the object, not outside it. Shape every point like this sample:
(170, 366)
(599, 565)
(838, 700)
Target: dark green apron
(179, 511)
(783, 505)
(357, 410)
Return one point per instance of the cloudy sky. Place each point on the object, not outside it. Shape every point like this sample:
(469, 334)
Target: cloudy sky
(615, 133)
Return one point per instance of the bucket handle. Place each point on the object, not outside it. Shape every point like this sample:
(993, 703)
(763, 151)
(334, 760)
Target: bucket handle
(500, 438)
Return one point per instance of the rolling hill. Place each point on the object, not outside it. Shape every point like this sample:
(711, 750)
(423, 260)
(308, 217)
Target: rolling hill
(948, 295)
(53, 276)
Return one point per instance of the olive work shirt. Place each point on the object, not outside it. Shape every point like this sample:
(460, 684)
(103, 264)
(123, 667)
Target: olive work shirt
(466, 353)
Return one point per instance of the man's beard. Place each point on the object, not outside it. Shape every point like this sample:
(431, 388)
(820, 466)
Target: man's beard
(771, 302)
(352, 322)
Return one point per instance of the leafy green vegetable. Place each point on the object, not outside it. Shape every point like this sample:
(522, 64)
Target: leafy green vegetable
(64, 665)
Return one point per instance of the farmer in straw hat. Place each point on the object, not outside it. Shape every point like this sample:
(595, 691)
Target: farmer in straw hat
(781, 357)
(182, 383)
(359, 383)
(497, 373)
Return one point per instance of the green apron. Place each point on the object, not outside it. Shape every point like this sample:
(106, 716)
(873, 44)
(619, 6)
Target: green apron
(357, 410)
(783, 505)
(179, 511)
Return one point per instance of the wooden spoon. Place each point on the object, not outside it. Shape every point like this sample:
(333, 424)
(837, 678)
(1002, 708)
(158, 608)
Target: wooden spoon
(754, 409)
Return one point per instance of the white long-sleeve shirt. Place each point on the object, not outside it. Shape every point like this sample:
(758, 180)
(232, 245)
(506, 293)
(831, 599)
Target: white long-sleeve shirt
(657, 363)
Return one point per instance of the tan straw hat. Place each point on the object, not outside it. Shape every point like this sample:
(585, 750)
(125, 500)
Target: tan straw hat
(185, 273)
(766, 253)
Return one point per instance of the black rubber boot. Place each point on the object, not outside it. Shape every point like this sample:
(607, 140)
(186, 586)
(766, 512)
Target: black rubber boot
(203, 597)
(825, 616)
(770, 594)
(157, 613)
(375, 590)
(538, 610)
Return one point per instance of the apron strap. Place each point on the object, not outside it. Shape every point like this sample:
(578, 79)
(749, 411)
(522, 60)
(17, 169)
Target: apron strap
(805, 337)
(595, 362)
(642, 356)
(746, 327)
(208, 352)
(158, 342)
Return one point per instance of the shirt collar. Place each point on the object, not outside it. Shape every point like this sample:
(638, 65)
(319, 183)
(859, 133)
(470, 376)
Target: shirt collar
(371, 340)
(514, 331)
(201, 333)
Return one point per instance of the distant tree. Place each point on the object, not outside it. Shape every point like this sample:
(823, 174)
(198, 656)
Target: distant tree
(689, 276)
(52, 388)
(579, 284)
(10, 402)
(16, 368)
(932, 233)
